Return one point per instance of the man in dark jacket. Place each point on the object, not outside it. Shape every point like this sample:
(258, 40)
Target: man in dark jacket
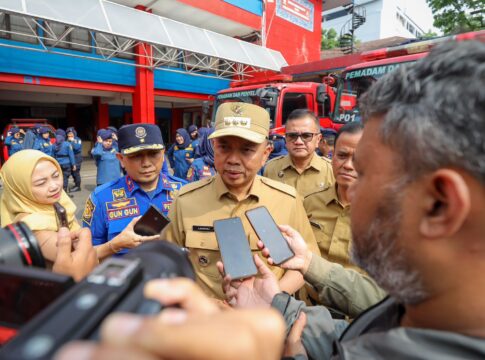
(417, 220)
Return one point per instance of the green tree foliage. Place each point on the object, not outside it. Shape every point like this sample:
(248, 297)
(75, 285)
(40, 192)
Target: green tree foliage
(456, 16)
(329, 39)
(428, 35)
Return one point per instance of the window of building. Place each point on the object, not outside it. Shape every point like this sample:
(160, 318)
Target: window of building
(65, 37)
(400, 18)
(411, 28)
(165, 56)
(335, 15)
(201, 63)
(106, 44)
(14, 27)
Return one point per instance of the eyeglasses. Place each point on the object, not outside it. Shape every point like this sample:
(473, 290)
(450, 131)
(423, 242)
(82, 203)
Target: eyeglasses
(305, 136)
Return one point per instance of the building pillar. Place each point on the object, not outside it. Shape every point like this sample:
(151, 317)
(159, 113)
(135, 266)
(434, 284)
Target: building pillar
(102, 114)
(177, 122)
(143, 97)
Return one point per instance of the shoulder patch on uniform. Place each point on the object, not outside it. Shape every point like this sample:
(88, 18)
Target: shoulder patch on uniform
(173, 179)
(275, 159)
(118, 194)
(190, 172)
(88, 211)
(323, 162)
(195, 185)
(290, 190)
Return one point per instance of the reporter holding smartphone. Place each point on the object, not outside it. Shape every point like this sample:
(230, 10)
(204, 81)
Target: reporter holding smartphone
(342, 289)
(75, 253)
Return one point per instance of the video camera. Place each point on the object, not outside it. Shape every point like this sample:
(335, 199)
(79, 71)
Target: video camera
(115, 285)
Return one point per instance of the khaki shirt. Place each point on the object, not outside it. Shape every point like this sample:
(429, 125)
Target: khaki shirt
(198, 204)
(330, 222)
(317, 175)
(342, 289)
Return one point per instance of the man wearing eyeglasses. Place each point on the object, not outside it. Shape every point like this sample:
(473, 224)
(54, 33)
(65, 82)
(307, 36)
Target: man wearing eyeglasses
(302, 168)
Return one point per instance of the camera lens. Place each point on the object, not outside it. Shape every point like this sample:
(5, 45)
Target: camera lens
(19, 247)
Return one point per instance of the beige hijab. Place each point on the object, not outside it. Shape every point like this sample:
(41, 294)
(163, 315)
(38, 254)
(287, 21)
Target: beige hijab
(18, 200)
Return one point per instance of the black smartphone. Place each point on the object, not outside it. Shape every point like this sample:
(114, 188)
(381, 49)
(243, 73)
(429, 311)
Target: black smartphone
(61, 214)
(234, 246)
(269, 233)
(151, 223)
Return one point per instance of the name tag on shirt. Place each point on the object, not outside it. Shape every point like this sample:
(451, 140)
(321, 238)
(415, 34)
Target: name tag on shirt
(203, 228)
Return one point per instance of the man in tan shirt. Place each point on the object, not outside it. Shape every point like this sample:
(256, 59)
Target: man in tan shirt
(328, 209)
(240, 149)
(302, 168)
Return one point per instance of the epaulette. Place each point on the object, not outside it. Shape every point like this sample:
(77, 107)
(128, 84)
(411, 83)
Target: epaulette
(194, 186)
(287, 189)
(274, 159)
(326, 159)
(100, 188)
(318, 190)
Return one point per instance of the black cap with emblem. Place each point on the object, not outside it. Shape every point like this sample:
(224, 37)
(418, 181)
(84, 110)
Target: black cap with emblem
(137, 137)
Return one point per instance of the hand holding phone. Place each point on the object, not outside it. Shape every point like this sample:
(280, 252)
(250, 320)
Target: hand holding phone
(61, 214)
(268, 232)
(151, 223)
(234, 246)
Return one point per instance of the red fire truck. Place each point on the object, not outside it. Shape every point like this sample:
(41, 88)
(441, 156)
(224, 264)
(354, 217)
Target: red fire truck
(279, 96)
(356, 79)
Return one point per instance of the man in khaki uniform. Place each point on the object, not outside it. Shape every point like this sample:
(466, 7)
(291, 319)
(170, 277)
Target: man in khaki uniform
(240, 149)
(302, 168)
(328, 209)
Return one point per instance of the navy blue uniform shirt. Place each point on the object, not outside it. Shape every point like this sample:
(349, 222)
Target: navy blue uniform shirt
(111, 207)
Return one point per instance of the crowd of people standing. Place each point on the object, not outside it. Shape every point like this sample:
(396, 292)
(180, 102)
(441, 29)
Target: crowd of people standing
(385, 225)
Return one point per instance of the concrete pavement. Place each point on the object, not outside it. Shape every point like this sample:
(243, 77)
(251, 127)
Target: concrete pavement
(88, 183)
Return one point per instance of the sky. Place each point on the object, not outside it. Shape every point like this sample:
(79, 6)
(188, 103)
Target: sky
(420, 11)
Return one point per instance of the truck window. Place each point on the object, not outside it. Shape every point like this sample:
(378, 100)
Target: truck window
(353, 84)
(247, 96)
(292, 101)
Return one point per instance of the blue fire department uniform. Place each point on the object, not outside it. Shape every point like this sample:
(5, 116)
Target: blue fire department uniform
(200, 170)
(77, 147)
(108, 165)
(65, 157)
(45, 146)
(111, 207)
(14, 145)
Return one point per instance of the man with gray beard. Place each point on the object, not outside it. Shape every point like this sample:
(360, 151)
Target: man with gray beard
(417, 221)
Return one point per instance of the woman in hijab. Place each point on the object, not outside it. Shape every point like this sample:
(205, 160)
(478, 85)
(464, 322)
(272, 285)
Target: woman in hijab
(181, 154)
(29, 196)
(203, 166)
(202, 132)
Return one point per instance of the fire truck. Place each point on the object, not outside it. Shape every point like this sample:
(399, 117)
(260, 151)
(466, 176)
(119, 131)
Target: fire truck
(334, 103)
(356, 79)
(279, 96)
